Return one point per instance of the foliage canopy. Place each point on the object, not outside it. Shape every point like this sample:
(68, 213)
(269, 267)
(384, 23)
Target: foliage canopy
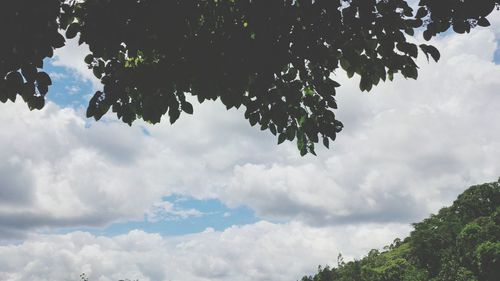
(275, 58)
(460, 243)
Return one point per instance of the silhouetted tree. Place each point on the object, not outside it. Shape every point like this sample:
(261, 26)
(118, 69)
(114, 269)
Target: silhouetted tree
(274, 57)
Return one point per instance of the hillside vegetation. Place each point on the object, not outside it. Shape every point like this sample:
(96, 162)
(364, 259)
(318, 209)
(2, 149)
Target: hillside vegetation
(459, 243)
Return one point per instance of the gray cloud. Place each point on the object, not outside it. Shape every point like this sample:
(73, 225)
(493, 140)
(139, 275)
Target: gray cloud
(14, 185)
(407, 149)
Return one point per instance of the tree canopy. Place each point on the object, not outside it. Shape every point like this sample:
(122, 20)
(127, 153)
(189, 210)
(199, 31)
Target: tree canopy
(276, 58)
(460, 243)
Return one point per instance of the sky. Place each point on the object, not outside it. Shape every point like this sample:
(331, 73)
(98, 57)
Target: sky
(212, 198)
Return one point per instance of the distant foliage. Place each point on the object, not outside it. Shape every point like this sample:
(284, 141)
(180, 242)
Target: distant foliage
(460, 243)
(275, 58)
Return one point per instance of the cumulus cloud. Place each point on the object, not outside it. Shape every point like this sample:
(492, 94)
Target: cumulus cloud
(262, 251)
(407, 149)
(62, 170)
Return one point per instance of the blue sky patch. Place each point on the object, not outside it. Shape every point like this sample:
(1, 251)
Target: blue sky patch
(212, 213)
(68, 89)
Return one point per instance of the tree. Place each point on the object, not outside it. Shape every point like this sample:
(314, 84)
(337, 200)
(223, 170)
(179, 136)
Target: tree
(276, 58)
(460, 243)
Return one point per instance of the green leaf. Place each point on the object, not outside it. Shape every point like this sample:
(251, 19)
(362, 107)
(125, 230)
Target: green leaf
(483, 22)
(301, 144)
(422, 12)
(72, 30)
(281, 138)
(174, 114)
(187, 107)
(326, 142)
(365, 83)
(98, 71)
(430, 50)
(427, 35)
(311, 149)
(254, 118)
(272, 128)
(410, 72)
(89, 59)
(58, 41)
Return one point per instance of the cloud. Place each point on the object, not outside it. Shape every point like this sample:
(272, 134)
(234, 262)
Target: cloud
(261, 251)
(167, 211)
(72, 56)
(61, 170)
(408, 148)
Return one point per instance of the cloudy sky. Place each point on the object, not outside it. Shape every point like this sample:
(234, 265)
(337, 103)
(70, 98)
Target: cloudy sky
(211, 198)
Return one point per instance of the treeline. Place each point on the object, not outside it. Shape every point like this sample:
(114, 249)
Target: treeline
(460, 243)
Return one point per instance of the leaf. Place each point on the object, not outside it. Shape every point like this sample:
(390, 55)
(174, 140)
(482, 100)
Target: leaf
(89, 59)
(483, 22)
(365, 83)
(91, 108)
(98, 71)
(311, 149)
(272, 128)
(43, 89)
(72, 30)
(422, 12)
(427, 35)
(410, 72)
(281, 138)
(37, 103)
(344, 63)
(301, 144)
(58, 41)
(174, 114)
(253, 118)
(187, 107)
(431, 50)
(326, 142)
(43, 78)
(412, 50)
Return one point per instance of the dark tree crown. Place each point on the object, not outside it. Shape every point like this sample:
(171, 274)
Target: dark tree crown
(275, 58)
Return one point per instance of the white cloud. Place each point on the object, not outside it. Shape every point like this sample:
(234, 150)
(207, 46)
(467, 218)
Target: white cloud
(62, 170)
(72, 56)
(167, 211)
(407, 149)
(262, 251)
